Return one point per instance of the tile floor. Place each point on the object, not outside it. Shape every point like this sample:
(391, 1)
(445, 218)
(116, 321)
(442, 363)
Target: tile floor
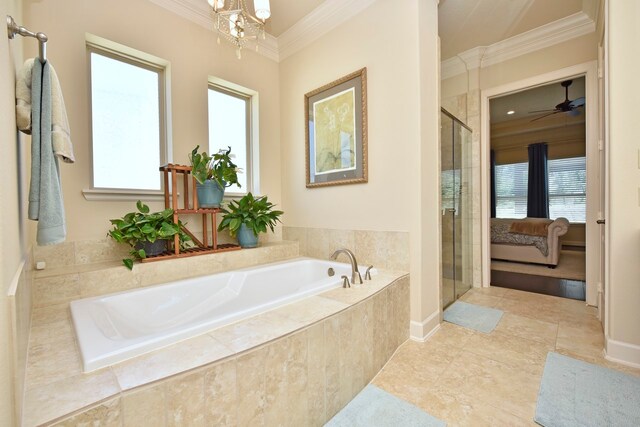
(468, 378)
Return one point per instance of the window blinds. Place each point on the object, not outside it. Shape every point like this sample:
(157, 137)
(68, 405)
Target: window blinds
(511, 190)
(568, 188)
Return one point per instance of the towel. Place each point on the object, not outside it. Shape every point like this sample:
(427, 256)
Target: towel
(531, 227)
(60, 135)
(45, 191)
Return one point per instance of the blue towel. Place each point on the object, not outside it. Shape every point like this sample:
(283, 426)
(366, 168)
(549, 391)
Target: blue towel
(45, 191)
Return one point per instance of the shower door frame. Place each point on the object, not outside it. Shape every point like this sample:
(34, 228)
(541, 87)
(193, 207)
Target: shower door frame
(457, 197)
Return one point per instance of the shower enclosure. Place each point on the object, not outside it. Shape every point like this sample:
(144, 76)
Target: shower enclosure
(456, 205)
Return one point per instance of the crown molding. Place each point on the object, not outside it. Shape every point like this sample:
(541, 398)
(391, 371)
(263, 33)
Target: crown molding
(320, 21)
(197, 11)
(463, 62)
(547, 35)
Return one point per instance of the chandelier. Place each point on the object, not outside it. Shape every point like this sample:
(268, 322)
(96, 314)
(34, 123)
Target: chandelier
(237, 25)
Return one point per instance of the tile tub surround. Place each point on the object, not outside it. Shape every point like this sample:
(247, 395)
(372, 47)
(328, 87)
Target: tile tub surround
(83, 252)
(382, 249)
(19, 301)
(61, 285)
(295, 365)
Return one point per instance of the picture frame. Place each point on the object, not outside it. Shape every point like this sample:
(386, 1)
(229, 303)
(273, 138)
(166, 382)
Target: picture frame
(336, 132)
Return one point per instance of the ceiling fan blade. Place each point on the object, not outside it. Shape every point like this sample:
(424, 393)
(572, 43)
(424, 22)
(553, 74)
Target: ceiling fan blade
(578, 102)
(545, 115)
(543, 111)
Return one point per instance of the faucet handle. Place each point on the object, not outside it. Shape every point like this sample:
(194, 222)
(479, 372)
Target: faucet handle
(345, 282)
(367, 274)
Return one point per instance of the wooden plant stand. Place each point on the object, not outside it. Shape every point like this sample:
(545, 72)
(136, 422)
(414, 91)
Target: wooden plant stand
(203, 247)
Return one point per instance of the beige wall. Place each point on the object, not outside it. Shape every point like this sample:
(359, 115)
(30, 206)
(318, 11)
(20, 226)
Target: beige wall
(194, 55)
(624, 214)
(397, 92)
(12, 228)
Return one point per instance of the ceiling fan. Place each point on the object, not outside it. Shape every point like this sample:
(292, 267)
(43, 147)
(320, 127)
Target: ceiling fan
(565, 106)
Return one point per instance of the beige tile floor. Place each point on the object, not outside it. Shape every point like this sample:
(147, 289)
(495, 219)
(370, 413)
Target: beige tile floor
(468, 378)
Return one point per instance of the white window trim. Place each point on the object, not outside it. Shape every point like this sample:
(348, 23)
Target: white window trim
(127, 54)
(253, 160)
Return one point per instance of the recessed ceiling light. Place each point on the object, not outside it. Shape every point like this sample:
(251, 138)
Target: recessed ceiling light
(510, 112)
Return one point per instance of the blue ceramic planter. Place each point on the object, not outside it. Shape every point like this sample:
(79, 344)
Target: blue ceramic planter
(210, 194)
(246, 237)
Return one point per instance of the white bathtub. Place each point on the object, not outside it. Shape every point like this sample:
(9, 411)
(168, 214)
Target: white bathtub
(112, 328)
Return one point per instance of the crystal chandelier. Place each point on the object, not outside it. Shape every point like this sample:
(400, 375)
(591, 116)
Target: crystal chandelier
(237, 25)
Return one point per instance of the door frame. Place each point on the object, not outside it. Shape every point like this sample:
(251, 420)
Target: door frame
(593, 254)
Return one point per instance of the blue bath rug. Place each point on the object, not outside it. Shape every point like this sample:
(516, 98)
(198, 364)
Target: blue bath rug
(576, 393)
(374, 407)
(477, 317)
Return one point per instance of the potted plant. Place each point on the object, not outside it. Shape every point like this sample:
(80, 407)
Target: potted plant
(146, 233)
(249, 217)
(213, 174)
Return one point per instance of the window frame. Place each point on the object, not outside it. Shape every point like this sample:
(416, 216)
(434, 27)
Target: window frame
(251, 98)
(125, 54)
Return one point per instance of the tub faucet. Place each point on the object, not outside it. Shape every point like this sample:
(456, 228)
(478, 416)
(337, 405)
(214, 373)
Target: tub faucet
(355, 274)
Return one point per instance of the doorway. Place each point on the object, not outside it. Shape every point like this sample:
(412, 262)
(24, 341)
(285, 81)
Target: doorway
(592, 236)
(456, 225)
(548, 123)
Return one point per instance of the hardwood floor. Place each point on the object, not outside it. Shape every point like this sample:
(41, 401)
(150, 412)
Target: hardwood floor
(566, 288)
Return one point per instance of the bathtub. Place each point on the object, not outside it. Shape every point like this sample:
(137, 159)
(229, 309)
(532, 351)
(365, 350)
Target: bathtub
(112, 328)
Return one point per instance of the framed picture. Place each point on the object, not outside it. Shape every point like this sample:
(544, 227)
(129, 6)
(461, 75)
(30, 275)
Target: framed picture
(336, 132)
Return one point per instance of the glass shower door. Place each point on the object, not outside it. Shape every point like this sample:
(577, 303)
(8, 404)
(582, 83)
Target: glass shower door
(456, 226)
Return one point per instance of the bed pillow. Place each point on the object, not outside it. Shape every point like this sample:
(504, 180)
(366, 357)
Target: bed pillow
(535, 227)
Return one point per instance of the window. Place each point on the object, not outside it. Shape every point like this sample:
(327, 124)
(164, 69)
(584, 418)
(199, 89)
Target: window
(511, 190)
(230, 126)
(567, 188)
(128, 118)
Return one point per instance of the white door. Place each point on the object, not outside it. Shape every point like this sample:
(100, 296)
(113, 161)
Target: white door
(602, 171)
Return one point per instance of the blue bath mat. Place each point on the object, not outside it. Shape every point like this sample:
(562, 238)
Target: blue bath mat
(374, 407)
(576, 393)
(483, 319)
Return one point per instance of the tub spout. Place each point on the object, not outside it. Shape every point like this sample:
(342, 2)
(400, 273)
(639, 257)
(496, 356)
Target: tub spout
(356, 278)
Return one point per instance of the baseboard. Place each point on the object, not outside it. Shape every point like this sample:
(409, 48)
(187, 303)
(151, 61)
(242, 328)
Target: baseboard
(622, 352)
(421, 331)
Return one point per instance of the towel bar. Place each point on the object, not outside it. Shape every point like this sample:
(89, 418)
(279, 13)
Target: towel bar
(13, 29)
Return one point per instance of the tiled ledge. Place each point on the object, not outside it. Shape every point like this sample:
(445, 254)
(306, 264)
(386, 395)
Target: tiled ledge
(67, 283)
(372, 319)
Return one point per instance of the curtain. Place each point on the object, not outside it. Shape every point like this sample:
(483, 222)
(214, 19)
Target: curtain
(492, 177)
(538, 187)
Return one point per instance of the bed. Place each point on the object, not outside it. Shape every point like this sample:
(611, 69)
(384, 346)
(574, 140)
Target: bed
(525, 245)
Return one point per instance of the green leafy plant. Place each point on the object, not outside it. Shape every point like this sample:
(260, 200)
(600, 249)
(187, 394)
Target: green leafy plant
(255, 212)
(200, 165)
(218, 167)
(142, 226)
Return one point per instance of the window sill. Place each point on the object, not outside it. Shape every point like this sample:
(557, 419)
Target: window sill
(109, 194)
